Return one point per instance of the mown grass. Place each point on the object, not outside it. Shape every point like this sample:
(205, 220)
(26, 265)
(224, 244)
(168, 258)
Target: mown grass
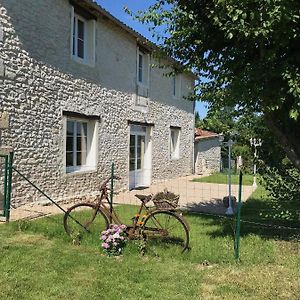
(38, 261)
(222, 178)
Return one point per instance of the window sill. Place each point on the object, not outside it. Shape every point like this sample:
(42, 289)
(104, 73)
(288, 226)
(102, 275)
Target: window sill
(69, 171)
(174, 158)
(142, 85)
(176, 97)
(83, 61)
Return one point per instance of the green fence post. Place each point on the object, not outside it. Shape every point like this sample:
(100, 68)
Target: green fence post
(5, 185)
(238, 220)
(9, 183)
(112, 190)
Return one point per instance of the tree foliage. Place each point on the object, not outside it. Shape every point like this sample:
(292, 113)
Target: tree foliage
(247, 52)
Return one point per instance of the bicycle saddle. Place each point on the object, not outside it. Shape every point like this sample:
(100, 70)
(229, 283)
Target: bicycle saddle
(144, 198)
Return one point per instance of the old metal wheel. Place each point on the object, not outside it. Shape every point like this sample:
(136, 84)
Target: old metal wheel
(93, 222)
(165, 229)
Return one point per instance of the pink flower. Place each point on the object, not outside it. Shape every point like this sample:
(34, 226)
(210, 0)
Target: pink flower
(103, 237)
(105, 245)
(116, 236)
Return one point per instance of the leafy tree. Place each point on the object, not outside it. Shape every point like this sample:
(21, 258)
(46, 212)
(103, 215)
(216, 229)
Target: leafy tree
(248, 53)
(198, 121)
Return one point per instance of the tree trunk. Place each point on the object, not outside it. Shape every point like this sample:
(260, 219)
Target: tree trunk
(286, 134)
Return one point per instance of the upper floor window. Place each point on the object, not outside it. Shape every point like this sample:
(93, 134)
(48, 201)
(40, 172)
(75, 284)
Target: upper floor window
(78, 37)
(176, 86)
(83, 39)
(140, 68)
(143, 73)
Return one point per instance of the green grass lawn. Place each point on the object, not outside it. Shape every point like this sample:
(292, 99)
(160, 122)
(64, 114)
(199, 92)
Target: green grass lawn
(222, 178)
(38, 261)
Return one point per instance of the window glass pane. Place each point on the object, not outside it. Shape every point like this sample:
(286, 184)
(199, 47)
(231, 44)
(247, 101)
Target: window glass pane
(82, 144)
(172, 141)
(132, 148)
(84, 129)
(140, 74)
(132, 152)
(131, 164)
(78, 159)
(74, 34)
(80, 30)
(139, 164)
(80, 48)
(69, 144)
(81, 158)
(174, 85)
(70, 128)
(140, 152)
(81, 129)
(78, 129)
(69, 159)
(79, 144)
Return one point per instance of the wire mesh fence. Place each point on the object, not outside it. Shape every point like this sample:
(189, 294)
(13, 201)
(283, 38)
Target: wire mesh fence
(204, 197)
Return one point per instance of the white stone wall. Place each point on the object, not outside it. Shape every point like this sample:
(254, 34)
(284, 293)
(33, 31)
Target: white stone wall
(38, 80)
(207, 155)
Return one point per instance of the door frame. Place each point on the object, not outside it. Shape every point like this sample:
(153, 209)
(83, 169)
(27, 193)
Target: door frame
(146, 170)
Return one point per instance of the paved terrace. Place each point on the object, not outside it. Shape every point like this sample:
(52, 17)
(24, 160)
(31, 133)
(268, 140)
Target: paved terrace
(196, 196)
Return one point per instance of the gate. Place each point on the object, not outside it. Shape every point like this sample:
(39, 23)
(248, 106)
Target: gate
(6, 160)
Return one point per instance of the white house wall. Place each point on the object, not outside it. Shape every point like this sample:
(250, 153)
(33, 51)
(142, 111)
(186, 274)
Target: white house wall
(39, 80)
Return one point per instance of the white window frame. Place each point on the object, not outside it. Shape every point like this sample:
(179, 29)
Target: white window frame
(174, 149)
(176, 86)
(92, 145)
(145, 83)
(89, 41)
(75, 37)
(140, 68)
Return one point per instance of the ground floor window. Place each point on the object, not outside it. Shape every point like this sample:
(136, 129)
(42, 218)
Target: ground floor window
(174, 142)
(80, 146)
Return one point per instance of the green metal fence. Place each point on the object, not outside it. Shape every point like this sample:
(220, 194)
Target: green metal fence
(6, 161)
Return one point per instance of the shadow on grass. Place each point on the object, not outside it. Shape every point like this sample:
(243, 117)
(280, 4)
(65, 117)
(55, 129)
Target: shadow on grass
(259, 216)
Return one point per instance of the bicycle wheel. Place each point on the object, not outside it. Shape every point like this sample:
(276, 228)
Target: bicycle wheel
(83, 222)
(165, 229)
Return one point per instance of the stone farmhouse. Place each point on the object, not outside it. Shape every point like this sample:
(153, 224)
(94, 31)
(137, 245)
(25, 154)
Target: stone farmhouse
(207, 151)
(81, 92)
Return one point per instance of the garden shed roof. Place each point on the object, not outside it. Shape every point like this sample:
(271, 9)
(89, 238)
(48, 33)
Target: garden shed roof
(204, 134)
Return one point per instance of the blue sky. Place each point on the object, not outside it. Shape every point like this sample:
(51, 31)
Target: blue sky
(116, 8)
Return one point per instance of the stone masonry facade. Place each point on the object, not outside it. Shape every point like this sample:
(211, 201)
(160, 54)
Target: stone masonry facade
(39, 80)
(207, 155)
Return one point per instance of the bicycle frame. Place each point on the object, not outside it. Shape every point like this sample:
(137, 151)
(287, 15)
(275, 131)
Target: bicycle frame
(113, 215)
(146, 222)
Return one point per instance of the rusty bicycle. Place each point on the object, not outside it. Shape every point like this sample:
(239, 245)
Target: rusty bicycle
(161, 224)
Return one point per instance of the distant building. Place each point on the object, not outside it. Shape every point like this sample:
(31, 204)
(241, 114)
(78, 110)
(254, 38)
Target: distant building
(207, 151)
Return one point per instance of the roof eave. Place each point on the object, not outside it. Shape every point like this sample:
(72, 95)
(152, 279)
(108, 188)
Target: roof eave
(150, 46)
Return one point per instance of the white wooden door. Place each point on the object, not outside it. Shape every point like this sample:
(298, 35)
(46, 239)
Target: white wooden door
(138, 148)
